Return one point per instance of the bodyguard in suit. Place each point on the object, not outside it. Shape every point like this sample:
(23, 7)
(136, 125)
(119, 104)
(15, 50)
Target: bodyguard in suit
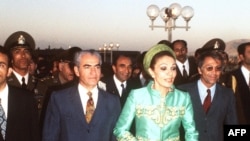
(242, 87)
(19, 108)
(214, 105)
(82, 112)
(186, 65)
(122, 68)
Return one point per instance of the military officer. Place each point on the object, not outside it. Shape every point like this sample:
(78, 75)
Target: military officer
(20, 46)
(65, 66)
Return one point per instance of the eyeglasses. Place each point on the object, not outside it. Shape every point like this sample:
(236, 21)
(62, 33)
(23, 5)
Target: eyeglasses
(211, 68)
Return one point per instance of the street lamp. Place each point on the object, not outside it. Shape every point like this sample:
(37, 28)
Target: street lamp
(110, 48)
(104, 48)
(169, 15)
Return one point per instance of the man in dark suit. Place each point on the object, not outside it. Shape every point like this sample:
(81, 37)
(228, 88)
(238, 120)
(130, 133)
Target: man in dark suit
(122, 68)
(20, 46)
(214, 105)
(186, 65)
(19, 107)
(82, 112)
(242, 87)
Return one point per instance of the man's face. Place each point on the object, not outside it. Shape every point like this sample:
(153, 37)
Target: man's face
(4, 69)
(88, 71)
(20, 58)
(66, 72)
(180, 51)
(246, 57)
(123, 68)
(210, 71)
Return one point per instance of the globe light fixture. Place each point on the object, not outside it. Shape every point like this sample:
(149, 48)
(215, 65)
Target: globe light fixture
(169, 15)
(108, 48)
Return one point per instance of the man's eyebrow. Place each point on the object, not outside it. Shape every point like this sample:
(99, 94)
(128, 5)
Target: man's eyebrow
(88, 65)
(3, 63)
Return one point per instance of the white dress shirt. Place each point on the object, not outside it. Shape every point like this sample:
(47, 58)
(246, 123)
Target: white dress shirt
(118, 85)
(203, 91)
(85, 97)
(4, 99)
(180, 66)
(19, 77)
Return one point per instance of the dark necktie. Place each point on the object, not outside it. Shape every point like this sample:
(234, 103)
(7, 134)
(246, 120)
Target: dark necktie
(185, 75)
(23, 83)
(3, 120)
(123, 89)
(207, 101)
(90, 108)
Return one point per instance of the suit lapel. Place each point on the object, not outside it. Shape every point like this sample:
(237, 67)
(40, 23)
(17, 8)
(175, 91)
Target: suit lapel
(12, 80)
(77, 105)
(197, 101)
(99, 107)
(216, 99)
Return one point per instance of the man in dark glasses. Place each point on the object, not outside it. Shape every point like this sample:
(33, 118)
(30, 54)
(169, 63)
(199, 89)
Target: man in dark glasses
(214, 105)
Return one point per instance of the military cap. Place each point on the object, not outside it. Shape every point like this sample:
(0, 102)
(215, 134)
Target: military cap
(152, 52)
(20, 38)
(68, 55)
(214, 44)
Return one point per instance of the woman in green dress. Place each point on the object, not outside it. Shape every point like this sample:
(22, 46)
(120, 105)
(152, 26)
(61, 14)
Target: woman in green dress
(159, 109)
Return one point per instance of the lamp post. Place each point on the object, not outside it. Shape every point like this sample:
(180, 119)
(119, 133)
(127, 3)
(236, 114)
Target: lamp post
(169, 15)
(110, 48)
(104, 48)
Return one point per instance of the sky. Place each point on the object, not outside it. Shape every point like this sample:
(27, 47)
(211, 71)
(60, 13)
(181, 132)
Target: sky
(92, 23)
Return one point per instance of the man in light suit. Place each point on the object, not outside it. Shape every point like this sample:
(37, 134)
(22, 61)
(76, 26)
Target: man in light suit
(65, 118)
(19, 107)
(222, 110)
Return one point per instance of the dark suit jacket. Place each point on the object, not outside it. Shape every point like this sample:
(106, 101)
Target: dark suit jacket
(242, 94)
(222, 111)
(22, 119)
(179, 79)
(65, 120)
(111, 87)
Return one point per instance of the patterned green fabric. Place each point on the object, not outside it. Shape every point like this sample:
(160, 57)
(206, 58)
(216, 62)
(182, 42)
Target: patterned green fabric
(157, 118)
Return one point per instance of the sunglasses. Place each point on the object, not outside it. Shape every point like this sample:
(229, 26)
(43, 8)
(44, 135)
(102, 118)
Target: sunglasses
(210, 68)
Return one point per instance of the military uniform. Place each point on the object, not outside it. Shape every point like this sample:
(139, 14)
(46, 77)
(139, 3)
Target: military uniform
(24, 40)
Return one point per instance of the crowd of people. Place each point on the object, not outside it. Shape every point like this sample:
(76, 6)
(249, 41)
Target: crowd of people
(165, 95)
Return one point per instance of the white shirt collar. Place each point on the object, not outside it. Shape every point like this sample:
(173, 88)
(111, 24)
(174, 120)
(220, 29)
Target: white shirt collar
(245, 73)
(118, 84)
(203, 90)
(180, 66)
(84, 96)
(19, 77)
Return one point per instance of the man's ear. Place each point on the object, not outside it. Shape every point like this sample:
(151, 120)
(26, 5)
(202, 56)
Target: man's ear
(9, 71)
(60, 66)
(199, 70)
(114, 68)
(76, 70)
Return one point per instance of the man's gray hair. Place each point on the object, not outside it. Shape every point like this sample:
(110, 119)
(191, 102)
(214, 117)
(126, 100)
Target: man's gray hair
(79, 54)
